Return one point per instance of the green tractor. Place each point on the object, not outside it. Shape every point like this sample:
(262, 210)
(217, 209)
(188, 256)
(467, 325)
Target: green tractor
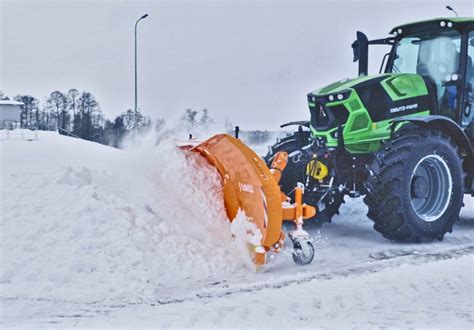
(403, 138)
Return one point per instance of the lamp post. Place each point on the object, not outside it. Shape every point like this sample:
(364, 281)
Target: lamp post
(136, 97)
(452, 9)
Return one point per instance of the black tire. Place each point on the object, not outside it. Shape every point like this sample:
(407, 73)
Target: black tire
(299, 257)
(293, 172)
(400, 199)
(296, 172)
(325, 215)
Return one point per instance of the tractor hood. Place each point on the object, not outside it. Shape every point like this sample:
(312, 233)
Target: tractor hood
(358, 103)
(344, 84)
(381, 89)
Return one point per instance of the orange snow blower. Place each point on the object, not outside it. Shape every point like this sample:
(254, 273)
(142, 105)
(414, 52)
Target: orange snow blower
(250, 186)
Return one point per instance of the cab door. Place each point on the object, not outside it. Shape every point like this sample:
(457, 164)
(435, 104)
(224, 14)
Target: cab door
(467, 111)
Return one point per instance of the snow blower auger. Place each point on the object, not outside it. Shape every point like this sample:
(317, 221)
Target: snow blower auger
(250, 186)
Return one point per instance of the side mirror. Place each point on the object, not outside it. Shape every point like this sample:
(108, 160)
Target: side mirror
(360, 48)
(355, 50)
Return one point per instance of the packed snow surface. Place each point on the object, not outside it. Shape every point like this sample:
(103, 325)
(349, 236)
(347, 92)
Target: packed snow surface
(95, 236)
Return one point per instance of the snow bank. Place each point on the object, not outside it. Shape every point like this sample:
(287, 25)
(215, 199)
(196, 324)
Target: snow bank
(85, 222)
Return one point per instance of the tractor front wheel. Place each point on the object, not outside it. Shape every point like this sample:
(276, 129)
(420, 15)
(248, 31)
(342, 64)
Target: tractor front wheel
(415, 186)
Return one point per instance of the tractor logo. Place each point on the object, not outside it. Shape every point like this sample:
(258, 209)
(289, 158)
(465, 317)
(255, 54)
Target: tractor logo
(245, 187)
(404, 108)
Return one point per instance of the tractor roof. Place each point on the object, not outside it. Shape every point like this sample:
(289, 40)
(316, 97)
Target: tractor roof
(459, 23)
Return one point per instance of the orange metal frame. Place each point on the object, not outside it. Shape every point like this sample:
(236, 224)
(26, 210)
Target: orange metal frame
(249, 185)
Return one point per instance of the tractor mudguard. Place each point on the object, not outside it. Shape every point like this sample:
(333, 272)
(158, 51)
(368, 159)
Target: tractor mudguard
(304, 123)
(448, 127)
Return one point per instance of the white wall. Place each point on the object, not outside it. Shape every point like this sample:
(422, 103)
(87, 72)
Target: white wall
(9, 114)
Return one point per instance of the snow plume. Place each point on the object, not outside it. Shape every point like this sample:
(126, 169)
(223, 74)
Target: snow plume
(85, 222)
(245, 234)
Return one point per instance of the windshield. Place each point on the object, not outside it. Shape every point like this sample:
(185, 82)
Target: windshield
(435, 56)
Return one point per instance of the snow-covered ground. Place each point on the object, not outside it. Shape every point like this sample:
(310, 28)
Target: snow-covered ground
(92, 236)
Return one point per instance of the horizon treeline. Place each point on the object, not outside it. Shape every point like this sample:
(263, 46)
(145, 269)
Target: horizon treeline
(78, 114)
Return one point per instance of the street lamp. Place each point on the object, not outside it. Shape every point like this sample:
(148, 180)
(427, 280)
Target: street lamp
(452, 9)
(136, 98)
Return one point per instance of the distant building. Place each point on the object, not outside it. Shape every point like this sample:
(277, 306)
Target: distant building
(10, 113)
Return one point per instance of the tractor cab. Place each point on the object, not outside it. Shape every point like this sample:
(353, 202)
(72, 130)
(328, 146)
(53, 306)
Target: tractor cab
(441, 51)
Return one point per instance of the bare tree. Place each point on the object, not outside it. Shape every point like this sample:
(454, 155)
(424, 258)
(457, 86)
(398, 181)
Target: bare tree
(190, 117)
(56, 102)
(205, 119)
(128, 119)
(27, 110)
(87, 107)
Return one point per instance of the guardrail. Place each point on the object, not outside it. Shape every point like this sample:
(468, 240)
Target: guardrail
(66, 132)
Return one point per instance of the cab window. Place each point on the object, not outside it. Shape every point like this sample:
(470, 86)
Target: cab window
(467, 113)
(436, 56)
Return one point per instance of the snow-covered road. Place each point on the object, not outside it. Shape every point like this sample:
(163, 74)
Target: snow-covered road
(89, 238)
(436, 294)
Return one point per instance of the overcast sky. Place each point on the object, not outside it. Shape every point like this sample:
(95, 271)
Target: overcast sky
(252, 62)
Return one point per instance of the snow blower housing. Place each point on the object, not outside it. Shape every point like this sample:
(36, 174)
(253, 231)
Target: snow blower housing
(250, 186)
(402, 137)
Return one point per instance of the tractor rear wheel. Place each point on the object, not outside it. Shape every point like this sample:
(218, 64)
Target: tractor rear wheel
(415, 186)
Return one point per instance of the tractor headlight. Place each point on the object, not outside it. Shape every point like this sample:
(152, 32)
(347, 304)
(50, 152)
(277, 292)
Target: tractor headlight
(451, 77)
(340, 96)
(336, 97)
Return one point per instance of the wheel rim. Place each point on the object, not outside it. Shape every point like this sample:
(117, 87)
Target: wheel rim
(431, 186)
